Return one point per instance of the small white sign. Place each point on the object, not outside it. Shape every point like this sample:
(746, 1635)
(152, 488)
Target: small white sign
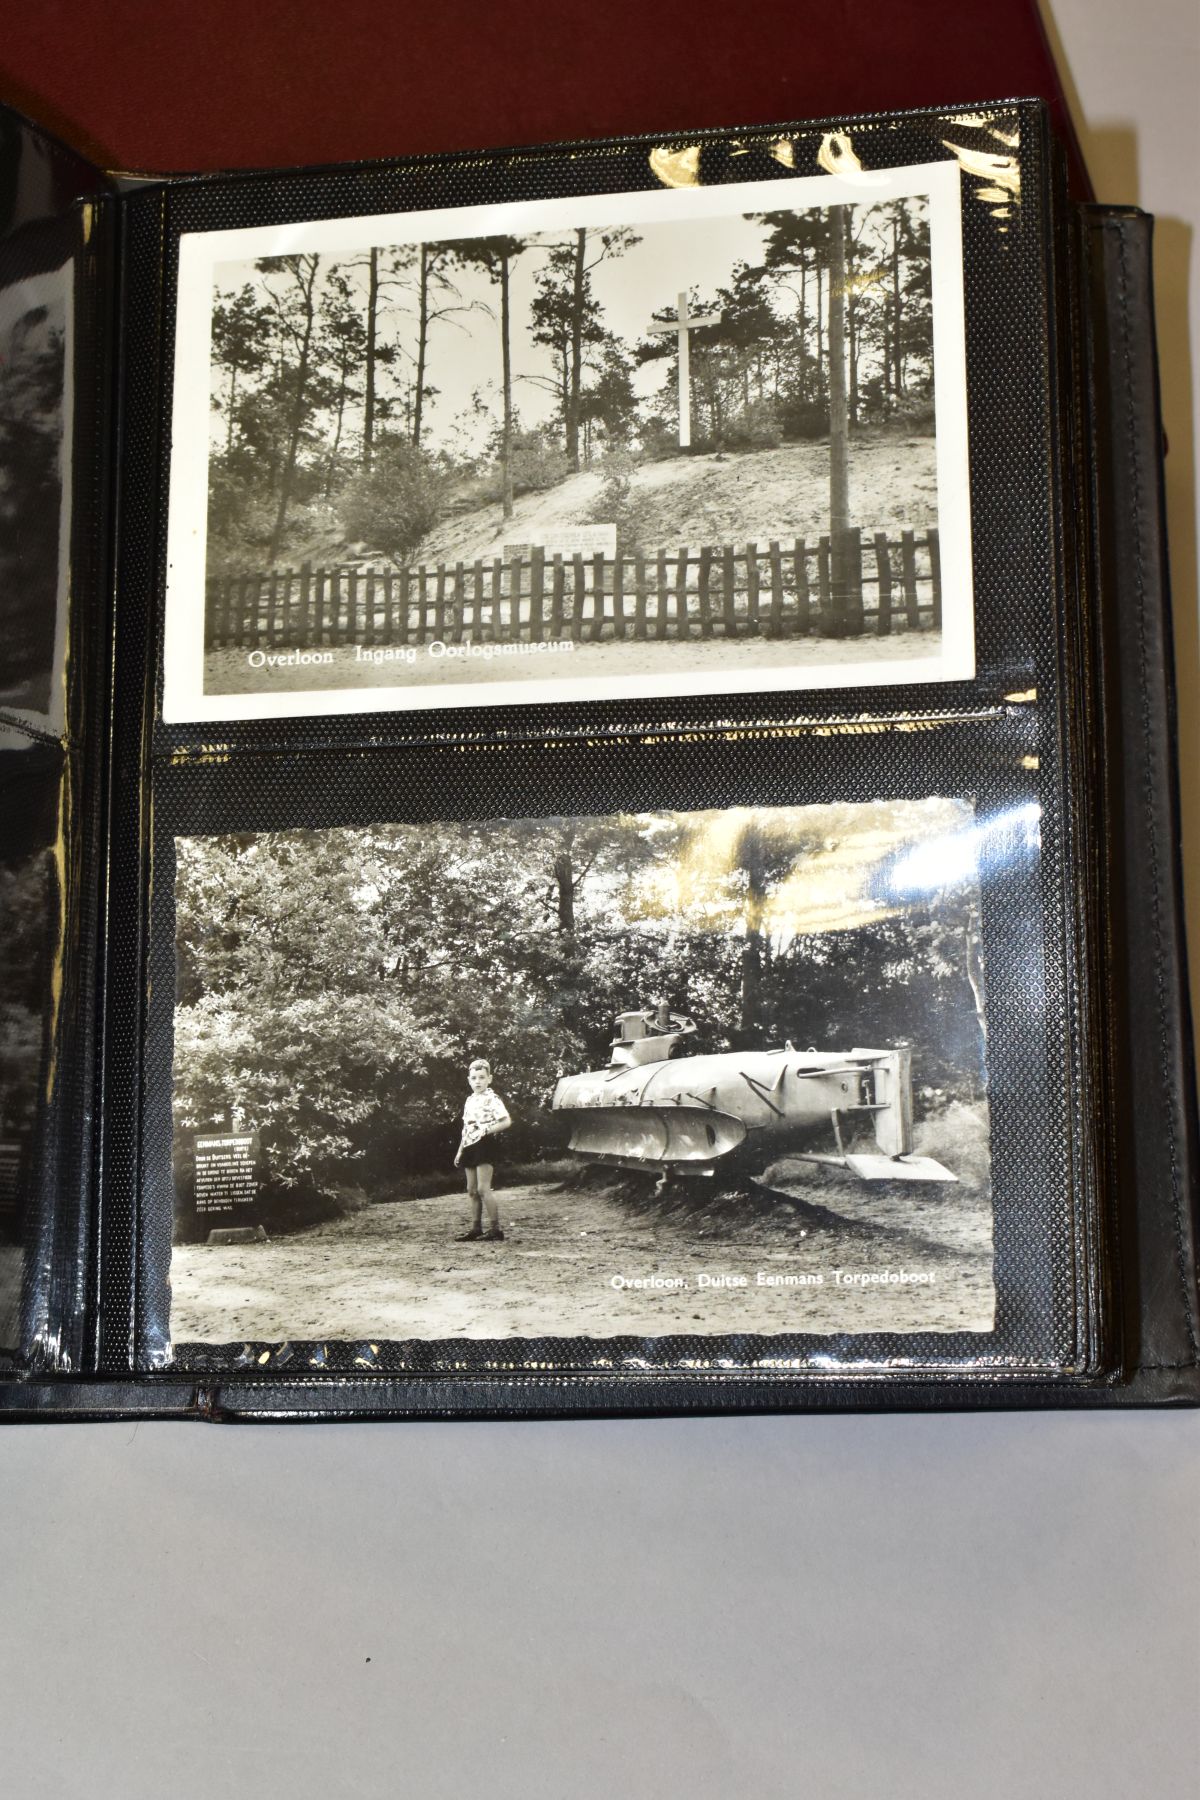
(576, 540)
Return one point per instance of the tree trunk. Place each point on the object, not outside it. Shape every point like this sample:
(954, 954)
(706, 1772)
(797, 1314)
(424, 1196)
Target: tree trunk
(369, 373)
(897, 365)
(803, 327)
(422, 345)
(852, 335)
(576, 349)
(564, 394)
(752, 946)
(820, 334)
(751, 984)
(337, 435)
(506, 353)
(839, 461)
(296, 422)
(564, 883)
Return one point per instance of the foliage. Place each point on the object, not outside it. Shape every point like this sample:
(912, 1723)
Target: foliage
(567, 319)
(395, 500)
(617, 502)
(537, 462)
(759, 426)
(609, 405)
(27, 889)
(659, 437)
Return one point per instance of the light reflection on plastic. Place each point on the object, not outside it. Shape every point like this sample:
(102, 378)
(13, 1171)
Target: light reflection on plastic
(949, 861)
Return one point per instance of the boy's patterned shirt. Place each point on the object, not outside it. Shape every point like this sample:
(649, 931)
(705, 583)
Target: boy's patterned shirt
(482, 1113)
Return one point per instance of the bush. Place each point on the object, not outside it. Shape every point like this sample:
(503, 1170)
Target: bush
(806, 419)
(392, 504)
(240, 523)
(618, 502)
(538, 462)
(660, 438)
(914, 416)
(910, 415)
(758, 426)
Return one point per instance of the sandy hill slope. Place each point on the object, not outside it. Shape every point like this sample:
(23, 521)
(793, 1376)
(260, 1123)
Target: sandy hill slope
(745, 496)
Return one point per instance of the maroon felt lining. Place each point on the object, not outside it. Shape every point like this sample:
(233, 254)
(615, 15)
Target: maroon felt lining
(208, 84)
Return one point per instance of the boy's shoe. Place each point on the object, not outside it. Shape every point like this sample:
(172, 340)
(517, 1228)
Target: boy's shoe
(495, 1236)
(468, 1237)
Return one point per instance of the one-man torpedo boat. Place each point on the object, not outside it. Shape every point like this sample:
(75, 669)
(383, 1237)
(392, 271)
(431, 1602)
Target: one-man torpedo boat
(693, 1115)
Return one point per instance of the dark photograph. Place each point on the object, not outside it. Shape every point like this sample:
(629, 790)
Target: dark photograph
(28, 948)
(34, 427)
(646, 1075)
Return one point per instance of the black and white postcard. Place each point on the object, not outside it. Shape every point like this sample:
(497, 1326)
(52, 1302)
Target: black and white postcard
(36, 418)
(681, 442)
(646, 1075)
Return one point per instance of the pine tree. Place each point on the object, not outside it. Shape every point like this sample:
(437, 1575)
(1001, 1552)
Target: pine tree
(293, 305)
(341, 349)
(496, 255)
(239, 330)
(567, 319)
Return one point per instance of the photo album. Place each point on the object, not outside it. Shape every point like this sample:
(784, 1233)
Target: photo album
(588, 817)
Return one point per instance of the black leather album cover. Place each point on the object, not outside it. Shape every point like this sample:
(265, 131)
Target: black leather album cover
(587, 782)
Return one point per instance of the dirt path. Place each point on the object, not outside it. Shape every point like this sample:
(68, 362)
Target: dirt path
(747, 1264)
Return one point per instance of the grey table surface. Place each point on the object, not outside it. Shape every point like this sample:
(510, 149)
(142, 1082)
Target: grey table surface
(960, 1606)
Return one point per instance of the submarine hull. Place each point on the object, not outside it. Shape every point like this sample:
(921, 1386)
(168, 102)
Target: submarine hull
(655, 1137)
(698, 1111)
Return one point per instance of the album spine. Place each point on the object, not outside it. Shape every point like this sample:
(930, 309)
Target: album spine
(58, 225)
(1155, 1116)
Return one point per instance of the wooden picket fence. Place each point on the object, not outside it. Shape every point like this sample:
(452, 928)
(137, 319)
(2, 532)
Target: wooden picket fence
(856, 585)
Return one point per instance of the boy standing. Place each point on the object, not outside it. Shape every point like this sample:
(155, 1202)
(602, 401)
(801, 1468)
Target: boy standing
(484, 1117)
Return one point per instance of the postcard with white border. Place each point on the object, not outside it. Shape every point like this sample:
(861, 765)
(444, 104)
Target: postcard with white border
(626, 446)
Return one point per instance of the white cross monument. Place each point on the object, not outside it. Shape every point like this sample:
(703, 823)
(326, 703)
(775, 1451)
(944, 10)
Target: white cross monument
(681, 325)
